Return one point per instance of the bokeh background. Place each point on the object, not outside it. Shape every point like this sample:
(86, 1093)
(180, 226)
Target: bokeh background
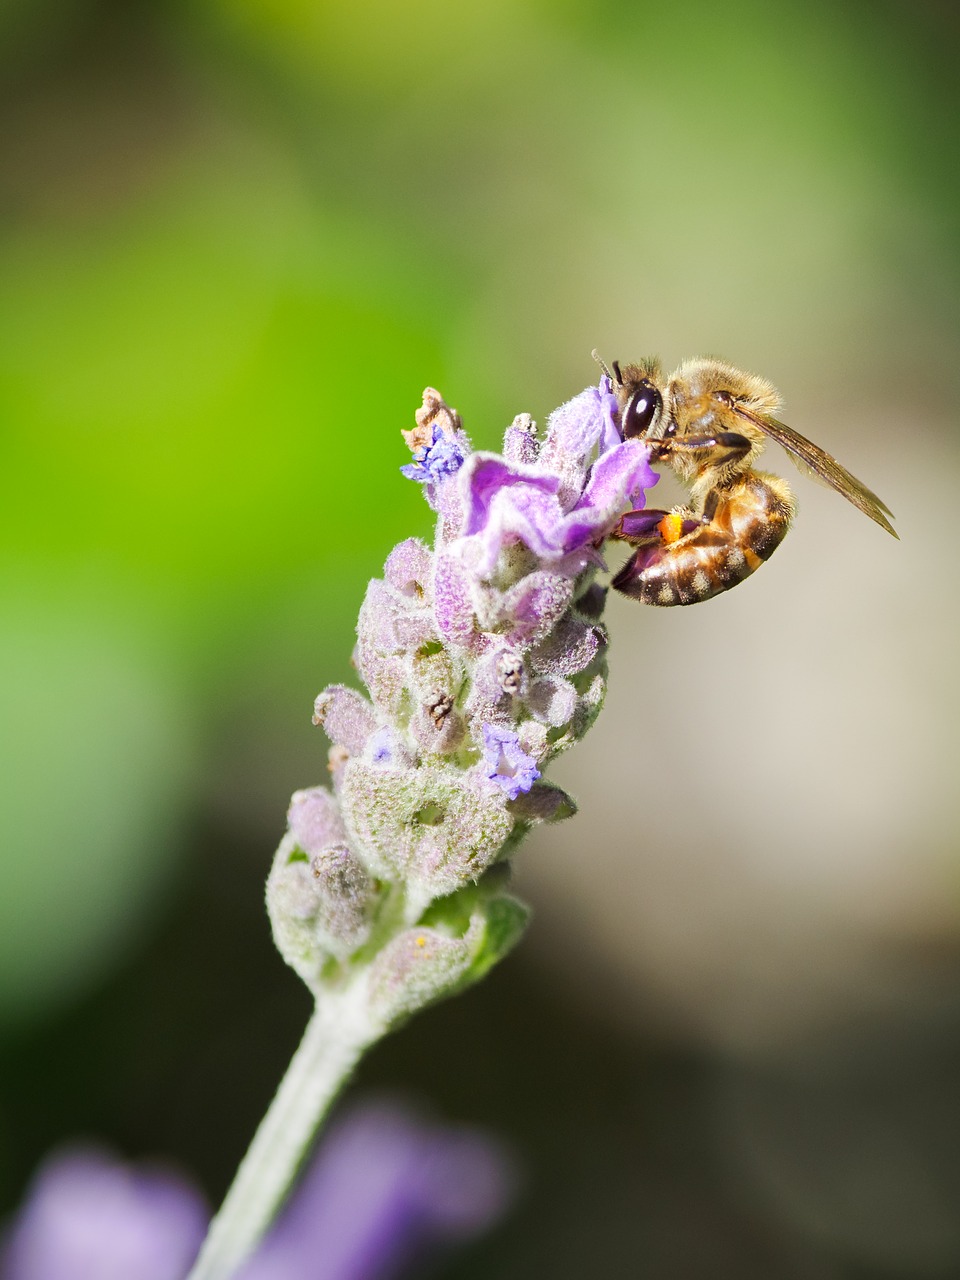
(239, 237)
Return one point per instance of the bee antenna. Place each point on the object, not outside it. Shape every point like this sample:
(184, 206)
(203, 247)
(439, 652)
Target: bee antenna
(596, 355)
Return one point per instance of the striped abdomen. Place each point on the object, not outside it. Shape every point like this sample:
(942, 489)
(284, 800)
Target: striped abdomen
(751, 520)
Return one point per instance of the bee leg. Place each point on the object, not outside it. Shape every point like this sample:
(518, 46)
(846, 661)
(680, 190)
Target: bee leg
(638, 526)
(735, 446)
(710, 506)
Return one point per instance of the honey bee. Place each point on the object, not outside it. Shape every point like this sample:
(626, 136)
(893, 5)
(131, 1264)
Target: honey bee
(709, 422)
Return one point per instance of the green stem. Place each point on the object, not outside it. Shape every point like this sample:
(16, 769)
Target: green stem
(336, 1035)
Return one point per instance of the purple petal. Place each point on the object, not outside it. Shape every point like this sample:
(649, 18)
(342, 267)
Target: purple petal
(577, 426)
(510, 503)
(610, 435)
(580, 429)
(618, 475)
(505, 761)
(487, 475)
(507, 504)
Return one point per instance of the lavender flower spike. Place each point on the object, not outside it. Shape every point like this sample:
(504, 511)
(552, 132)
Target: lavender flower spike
(483, 658)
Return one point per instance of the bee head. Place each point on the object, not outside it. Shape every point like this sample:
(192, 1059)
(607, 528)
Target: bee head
(638, 388)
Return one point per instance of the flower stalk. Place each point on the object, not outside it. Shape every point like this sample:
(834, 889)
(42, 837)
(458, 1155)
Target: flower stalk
(483, 657)
(336, 1036)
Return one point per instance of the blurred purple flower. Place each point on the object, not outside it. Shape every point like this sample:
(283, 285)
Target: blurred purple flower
(384, 1189)
(505, 761)
(89, 1217)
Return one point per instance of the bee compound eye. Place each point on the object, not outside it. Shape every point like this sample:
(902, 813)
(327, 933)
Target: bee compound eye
(725, 397)
(641, 410)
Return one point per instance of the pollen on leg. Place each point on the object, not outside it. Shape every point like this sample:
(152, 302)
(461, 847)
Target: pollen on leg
(670, 527)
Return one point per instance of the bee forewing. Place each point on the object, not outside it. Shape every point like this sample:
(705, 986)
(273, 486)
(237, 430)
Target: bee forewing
(821, 463)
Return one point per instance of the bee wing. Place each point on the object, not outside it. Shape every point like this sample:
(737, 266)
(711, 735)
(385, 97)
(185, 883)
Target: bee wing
(807, 454)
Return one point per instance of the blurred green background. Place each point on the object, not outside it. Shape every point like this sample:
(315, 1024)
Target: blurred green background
(239, 237)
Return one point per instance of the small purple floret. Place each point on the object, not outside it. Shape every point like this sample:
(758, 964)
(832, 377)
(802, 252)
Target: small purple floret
(433, 463)
(510, 503)
(382, 746)
(561, 507)
(505, 761)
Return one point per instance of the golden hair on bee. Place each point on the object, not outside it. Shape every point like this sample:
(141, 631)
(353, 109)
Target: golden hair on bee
(709, 422)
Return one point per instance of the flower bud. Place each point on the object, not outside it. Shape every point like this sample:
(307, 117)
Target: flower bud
(319, 897)
(320, 908)
(437, 727)
(416, 968)
(552, 700)
(454, 602)
(570, 647)
(409, 568)
(520, 443)
(535, 605)
(432, 825)
(543, 803)
(346, 716)
(462, 938)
